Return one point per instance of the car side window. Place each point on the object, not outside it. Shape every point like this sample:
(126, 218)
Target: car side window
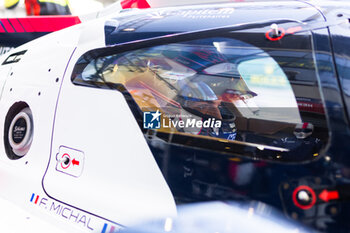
(226, 92)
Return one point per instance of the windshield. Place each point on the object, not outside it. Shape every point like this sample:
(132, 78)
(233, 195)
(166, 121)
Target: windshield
(220, 94)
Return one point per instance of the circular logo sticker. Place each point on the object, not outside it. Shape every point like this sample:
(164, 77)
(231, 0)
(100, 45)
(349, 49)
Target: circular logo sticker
(19, 130)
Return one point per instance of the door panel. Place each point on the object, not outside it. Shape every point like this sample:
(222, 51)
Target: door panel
(118, 178)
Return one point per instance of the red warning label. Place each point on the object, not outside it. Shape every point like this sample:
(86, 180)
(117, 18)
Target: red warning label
(70, 161)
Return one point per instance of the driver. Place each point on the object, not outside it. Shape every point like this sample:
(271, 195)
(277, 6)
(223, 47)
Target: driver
(302, 144)
(200, 103)
(182, 92)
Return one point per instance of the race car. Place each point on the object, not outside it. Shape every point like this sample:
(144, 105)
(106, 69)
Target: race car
(121, 119)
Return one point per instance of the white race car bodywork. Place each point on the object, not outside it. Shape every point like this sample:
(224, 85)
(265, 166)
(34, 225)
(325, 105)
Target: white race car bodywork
(115, 180)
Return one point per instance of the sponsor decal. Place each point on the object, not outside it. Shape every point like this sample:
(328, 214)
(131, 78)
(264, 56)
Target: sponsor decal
(310, 105)
(72, 215)
(4, 50)
(232, 136)
(195, 14)
(208, 13)
(19, 130)
(68, 213)
(14, 58)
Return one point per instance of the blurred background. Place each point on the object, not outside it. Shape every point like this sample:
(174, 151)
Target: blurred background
(20, 8)
(106, 2)
(17, 8)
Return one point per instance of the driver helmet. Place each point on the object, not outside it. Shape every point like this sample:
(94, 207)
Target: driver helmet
(303, 130)
(10, 4)
(199, 99)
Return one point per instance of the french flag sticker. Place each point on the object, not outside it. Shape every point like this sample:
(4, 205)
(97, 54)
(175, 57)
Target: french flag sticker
(34, 198)
(108, 229)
